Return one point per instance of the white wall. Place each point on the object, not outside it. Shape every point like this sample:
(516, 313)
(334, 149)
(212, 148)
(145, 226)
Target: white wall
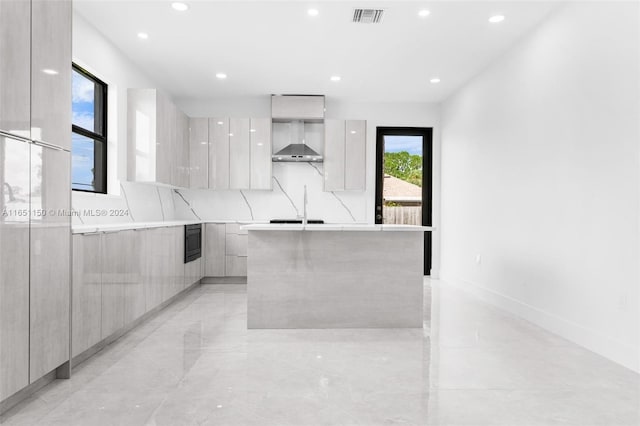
(540, 177)
(228, 204)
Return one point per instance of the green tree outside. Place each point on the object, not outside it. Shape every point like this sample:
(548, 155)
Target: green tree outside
(404, 166)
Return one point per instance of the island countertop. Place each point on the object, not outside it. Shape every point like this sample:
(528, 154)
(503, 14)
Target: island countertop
(333, 227)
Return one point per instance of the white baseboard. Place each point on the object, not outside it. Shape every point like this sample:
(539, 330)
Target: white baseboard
(614, 350)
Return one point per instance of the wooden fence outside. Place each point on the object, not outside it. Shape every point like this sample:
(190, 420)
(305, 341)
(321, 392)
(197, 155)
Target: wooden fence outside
(405, 215)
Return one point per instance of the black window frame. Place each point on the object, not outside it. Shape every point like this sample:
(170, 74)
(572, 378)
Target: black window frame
(99, 155)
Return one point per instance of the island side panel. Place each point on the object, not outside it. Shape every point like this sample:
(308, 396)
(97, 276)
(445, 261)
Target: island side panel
(335, 279)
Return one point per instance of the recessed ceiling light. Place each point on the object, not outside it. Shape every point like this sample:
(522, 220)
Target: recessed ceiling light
(50, 71)
(335, 78)
(179, 6)
(221, 75)
(423, 13)
(312, 12)
(143, 36)
(435, 80)
(496, 18)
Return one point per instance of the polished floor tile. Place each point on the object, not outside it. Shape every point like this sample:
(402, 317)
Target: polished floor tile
(196, 363)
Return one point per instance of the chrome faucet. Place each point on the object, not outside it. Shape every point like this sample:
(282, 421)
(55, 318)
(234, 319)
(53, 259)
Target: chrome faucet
(304, 217)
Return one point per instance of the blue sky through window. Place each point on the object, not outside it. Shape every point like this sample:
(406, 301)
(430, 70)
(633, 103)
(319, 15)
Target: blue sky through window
(82, 148)
(410, 144)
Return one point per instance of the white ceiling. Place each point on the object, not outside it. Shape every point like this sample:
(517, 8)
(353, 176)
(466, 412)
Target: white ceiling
(276, 47)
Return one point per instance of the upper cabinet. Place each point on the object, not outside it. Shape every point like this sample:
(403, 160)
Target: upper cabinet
(198, 152)
(293, 107)
(239, 153)
(219, 153)
(260, 140)
(51, 72)
(344, 157)
(158, 139)
(15, 69)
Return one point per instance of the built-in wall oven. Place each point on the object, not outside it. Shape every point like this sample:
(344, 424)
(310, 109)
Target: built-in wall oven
(192, 242)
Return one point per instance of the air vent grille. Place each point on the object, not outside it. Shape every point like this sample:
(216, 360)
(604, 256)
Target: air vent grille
(368, 16)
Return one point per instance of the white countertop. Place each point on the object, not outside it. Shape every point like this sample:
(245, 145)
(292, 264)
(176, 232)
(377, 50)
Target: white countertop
(114, 227)
(333, 227)
(261, 226)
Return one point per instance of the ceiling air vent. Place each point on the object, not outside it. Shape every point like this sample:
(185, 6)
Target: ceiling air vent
(368, 16)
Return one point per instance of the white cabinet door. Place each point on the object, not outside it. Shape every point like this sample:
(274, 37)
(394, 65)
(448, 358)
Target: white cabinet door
(239, 153)
(15, 67)
(50, 257)
(214, 250)
(181, 150)
(334, 160)
(219, 153)
(14, 265)
(86, 318)
(355, 155)
(344, 155)
(261, 153)
(51, 72)
(198, 153)
(297, 107)
(142, 135)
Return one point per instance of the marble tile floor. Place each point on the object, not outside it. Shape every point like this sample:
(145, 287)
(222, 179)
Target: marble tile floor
(197, 364)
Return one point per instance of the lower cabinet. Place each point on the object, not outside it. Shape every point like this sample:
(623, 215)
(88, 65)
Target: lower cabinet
(86, 315)
(14, 267)
(214, 250)
(119, 276)
(50, 236)
(225, 250)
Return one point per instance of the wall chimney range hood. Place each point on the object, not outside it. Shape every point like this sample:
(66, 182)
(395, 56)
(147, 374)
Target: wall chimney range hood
(295, 110)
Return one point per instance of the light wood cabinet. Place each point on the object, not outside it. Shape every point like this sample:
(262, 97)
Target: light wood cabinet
(51, 72)
(344, 155)
(199, 152)
(260, 138)
(14, 265)
(132, 279)
(15, 68)
(214, 250)
(236, 241)
(219, 153)
(114, 259)
(49, 260)
(86, 318)
(156, 268)
(239, 153)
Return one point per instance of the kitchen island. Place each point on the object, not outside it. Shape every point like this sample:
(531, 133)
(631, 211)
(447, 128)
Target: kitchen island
(335, 276)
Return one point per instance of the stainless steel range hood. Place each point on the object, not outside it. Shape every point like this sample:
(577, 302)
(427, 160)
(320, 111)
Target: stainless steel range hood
(297, 151)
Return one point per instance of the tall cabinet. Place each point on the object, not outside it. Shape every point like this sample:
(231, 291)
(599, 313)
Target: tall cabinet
(344, 155)
(35, 140)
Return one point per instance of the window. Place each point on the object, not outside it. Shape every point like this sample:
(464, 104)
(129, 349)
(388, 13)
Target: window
(89, 133)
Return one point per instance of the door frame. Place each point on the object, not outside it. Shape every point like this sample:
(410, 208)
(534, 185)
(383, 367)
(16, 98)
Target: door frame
(427, 179)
